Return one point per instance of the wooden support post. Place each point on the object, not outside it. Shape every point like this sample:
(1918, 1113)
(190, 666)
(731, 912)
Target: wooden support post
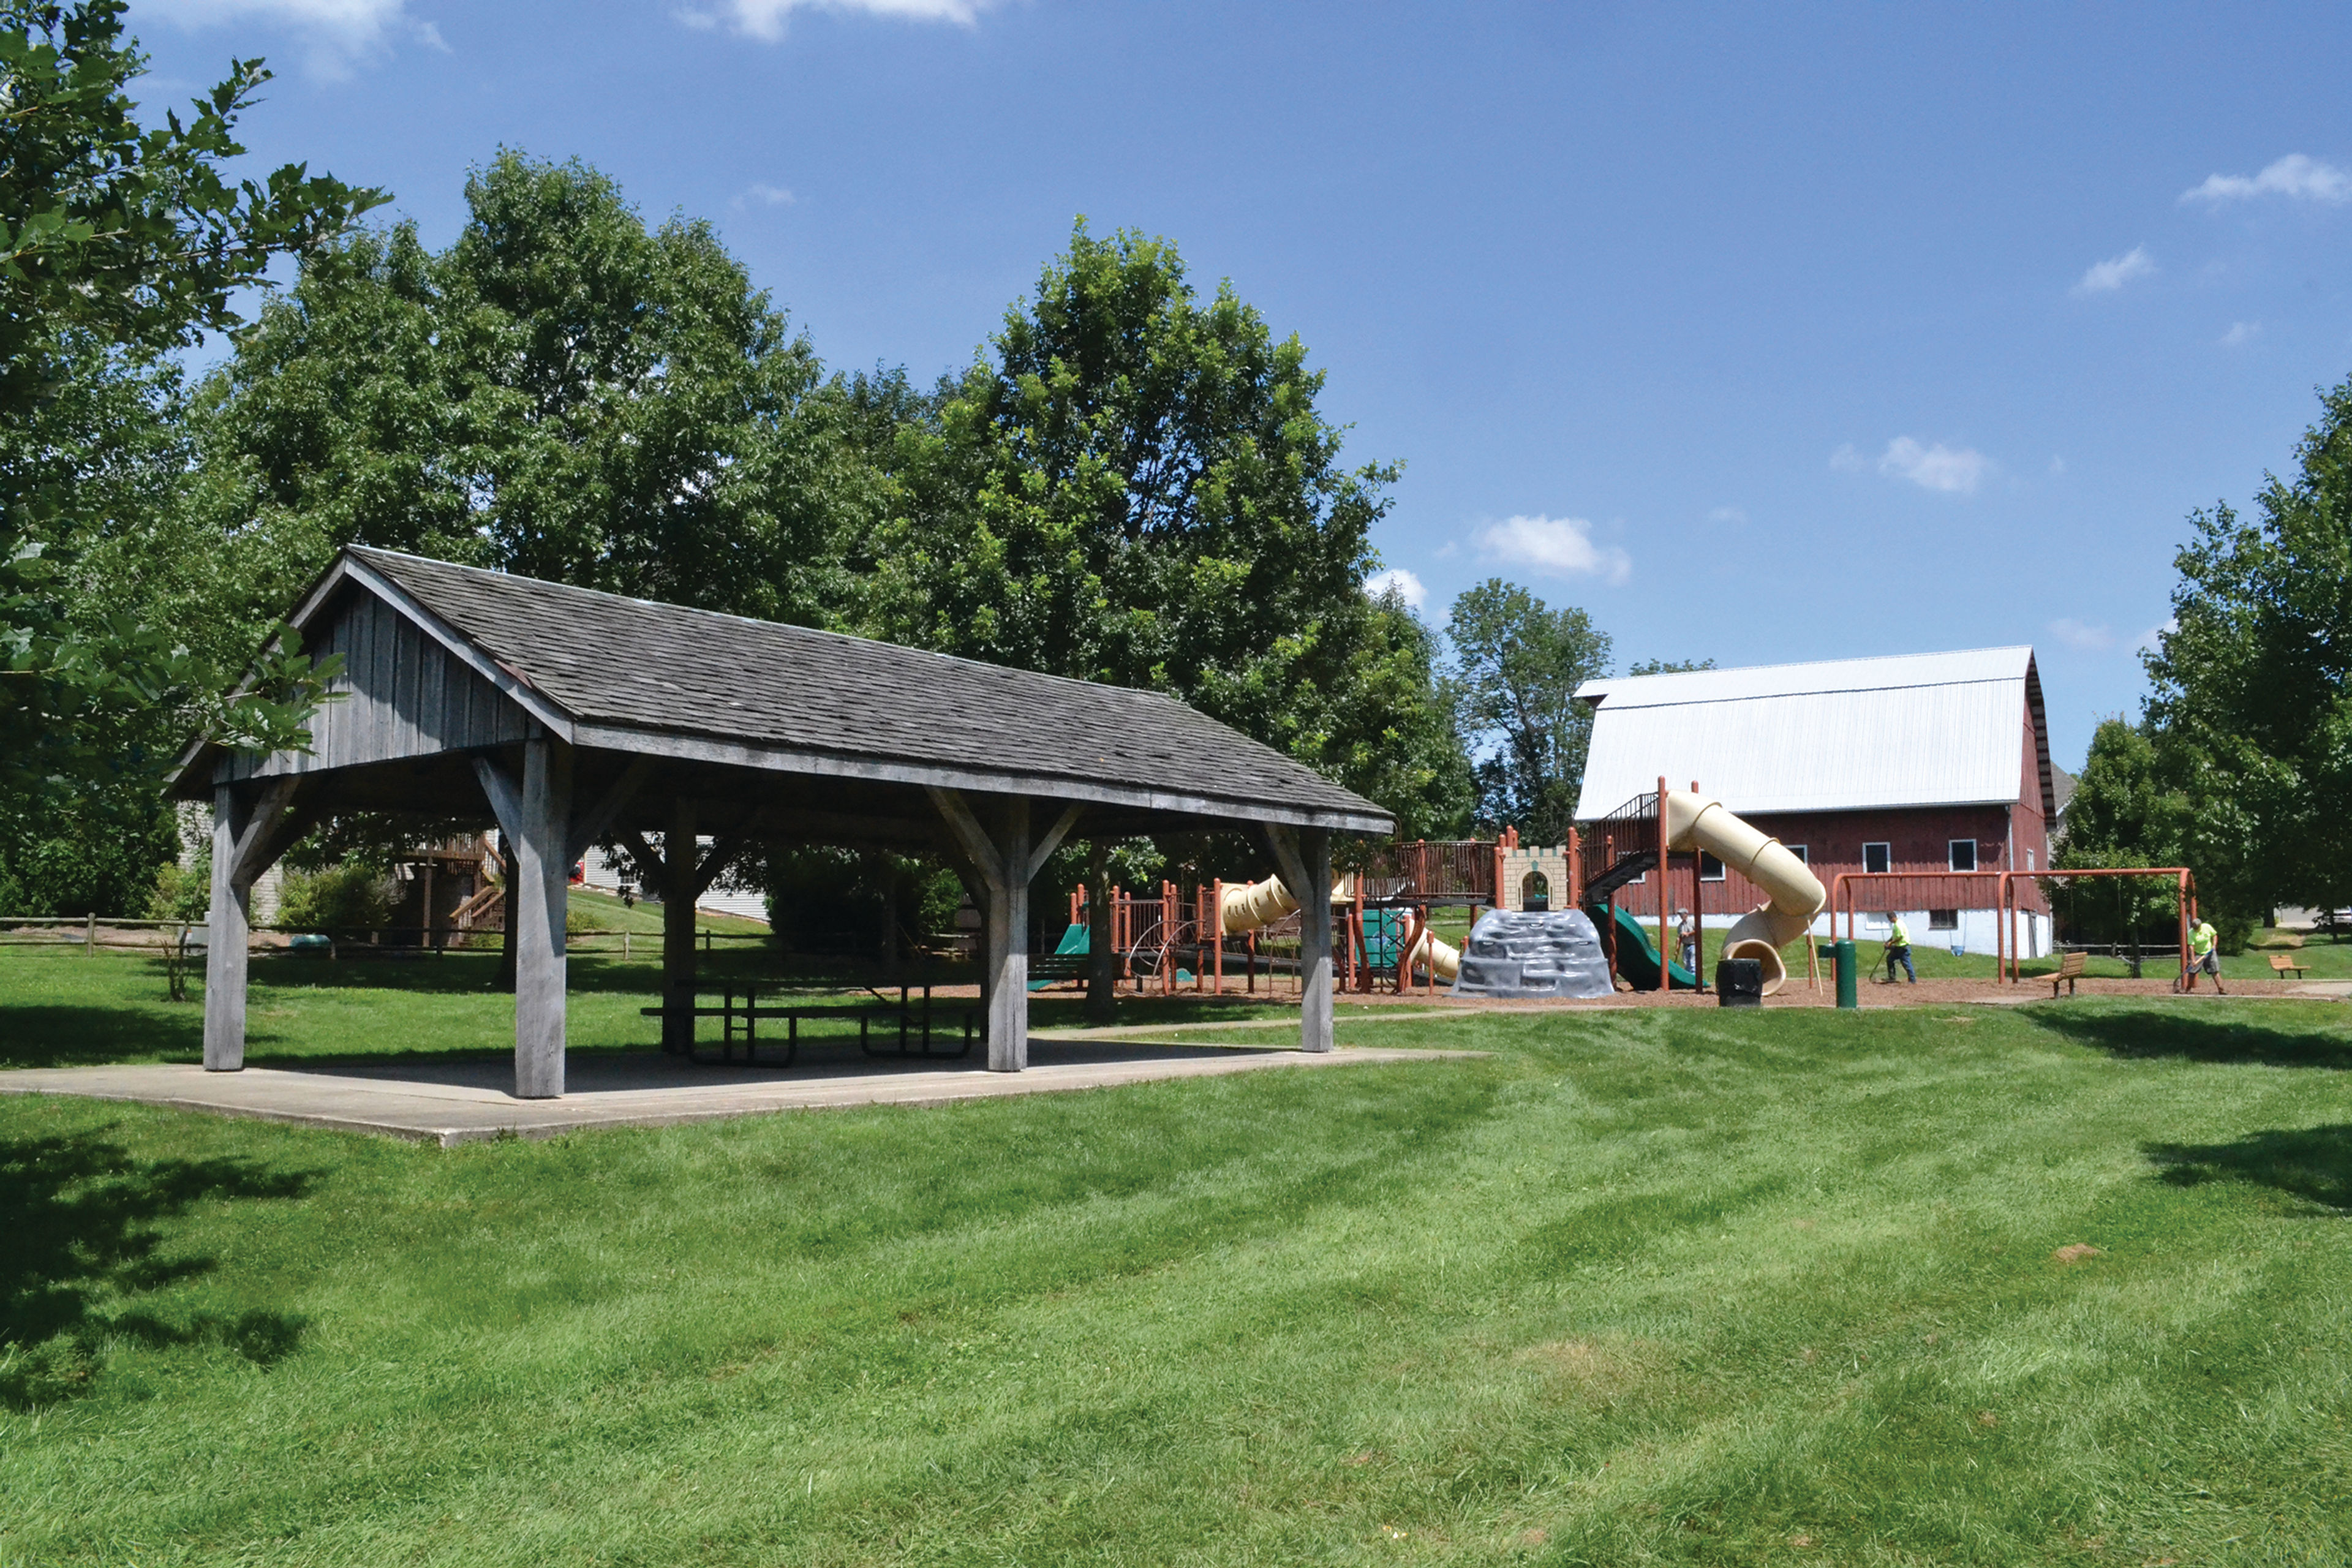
(1102, 936)
(228, 930)
(1303, 859)
(1007, 920)
(679, 852)
(252, 825)
(1315, 942)
(505, 978)
(1005, 859)
(542, 886)
(1575, 870)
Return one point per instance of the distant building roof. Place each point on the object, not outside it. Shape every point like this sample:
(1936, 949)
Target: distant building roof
(1931, 729)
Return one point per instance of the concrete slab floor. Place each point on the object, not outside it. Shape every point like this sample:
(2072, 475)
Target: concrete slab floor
(468, 1100)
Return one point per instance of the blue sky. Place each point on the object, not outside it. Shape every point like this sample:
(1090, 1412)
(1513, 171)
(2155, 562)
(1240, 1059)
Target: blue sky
(1764, 333)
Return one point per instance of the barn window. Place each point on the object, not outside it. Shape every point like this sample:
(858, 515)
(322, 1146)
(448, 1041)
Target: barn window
(1943, 920)
(1804, 857)
(1964, 853)
(1877, 858)
(1710, 869)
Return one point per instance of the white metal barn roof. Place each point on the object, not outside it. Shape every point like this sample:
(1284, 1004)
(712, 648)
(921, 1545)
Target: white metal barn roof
(1927, 729)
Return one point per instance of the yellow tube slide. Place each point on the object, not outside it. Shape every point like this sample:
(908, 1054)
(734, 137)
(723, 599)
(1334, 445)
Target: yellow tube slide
(1793, 894)
(1249, 905)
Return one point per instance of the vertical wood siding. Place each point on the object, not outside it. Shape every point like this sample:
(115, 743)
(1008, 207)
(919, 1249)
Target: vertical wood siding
(400, 695)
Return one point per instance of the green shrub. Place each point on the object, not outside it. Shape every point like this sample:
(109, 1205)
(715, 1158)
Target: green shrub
(351, 895)
(183, 893)
(2233, 932)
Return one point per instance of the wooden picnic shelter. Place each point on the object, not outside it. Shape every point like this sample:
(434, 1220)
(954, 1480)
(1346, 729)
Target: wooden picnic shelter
(568, 717)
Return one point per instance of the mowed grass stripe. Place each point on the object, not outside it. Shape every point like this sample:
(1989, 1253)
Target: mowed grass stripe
(1677, 1286)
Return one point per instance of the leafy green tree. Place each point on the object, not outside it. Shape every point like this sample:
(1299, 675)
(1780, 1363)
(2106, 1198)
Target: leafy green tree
(2126, 812)
(2251, 701)
(1519, 663)
(563, 392)
(119, 244)
(1133, 484)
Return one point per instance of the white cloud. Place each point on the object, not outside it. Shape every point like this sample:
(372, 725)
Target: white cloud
(1408, 587)
(2294, 176)
(2057, 466)
(2151, 640)
(1954, 470)
(1728, 514)
(338, 31)
(2107, 277)
(2240, 333)
(766, 18)
(2076, 634)
(1557, 546)
(1846, 460)
(762, 195)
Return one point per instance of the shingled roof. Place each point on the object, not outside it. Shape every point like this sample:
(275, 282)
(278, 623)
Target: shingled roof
(604, 670)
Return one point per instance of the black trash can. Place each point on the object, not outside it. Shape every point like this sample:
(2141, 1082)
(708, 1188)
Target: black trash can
(1740, 982)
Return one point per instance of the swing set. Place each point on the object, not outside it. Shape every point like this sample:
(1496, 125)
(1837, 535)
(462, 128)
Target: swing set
(2184, 899)
(1952, 890)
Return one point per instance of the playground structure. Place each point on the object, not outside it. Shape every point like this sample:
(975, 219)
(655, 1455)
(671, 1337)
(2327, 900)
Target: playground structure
(1671, 830)
(1181, 940)
(1189, 940)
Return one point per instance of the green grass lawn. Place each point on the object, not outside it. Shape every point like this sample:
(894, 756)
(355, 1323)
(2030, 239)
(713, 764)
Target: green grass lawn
(1681, 1286)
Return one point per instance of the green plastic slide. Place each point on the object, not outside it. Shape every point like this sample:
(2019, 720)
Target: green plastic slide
(1637, 958)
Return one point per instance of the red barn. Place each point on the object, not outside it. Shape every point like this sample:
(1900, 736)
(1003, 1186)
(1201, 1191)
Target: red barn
(1922, 763)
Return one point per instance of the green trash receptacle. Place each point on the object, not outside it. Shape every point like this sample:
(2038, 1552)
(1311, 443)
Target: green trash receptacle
(1841, 954)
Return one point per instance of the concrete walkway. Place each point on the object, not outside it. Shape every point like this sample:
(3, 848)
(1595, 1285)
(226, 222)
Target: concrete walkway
(466, 1100)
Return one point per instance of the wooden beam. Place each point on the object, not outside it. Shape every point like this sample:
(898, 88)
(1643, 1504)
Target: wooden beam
(723, 848)
(807, 762)
(652, 868)
(504, 793)
(263, 817)
(979, 849)
(1282, 845)
(589, 826)
(1043, 850)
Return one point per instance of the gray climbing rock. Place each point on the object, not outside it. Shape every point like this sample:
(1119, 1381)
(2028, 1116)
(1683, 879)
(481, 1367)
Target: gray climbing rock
(1517, 953)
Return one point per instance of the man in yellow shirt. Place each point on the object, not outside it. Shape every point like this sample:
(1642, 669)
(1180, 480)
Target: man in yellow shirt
(1898, 949)
(2204, 957)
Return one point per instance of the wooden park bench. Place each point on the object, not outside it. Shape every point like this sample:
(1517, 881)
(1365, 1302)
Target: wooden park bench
(2069, 970)
(2284, 965)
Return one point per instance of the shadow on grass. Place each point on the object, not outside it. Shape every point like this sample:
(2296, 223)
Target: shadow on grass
(60, 1035)
(2201, 1036)
(84, 1243)
(2313, 1163)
